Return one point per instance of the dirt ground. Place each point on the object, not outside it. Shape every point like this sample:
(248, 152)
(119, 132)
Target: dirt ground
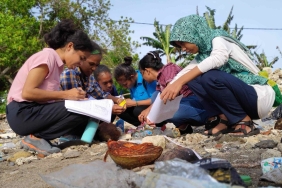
(246, 162)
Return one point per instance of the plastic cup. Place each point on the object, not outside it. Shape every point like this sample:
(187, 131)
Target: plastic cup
(89, 131)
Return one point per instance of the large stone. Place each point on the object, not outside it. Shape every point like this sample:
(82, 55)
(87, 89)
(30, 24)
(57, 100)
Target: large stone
(155, 140)
(18, 155)
(71, 154)
(192, 139)
(20, 161)
(279, 81)
(280, 74)
(277, 71)
(274, 77)
(266, 144)
(268, 70)
(270, 153)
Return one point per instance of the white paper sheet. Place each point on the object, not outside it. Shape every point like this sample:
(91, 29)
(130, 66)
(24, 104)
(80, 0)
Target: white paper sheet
(98, 109)
(160, 111)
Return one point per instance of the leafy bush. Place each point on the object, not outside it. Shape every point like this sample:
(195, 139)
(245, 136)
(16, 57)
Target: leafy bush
(3, 101)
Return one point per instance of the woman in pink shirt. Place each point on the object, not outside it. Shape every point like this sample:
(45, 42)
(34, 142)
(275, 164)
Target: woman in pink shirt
(35, 105)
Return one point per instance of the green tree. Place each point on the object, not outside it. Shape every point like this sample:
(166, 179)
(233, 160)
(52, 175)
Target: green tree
(116, 41)
(24, 23)
(18, 37)
(161, 40)
(262, 61)
(236, 32)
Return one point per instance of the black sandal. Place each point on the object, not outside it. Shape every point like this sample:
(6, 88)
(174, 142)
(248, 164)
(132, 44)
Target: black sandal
(212, 123)
(242, 129)
(223, 131)
(187, 130)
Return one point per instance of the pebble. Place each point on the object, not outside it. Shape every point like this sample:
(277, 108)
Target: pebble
(266, 144)
(54, 155)
(11, 164)
(20, 154)
(155, 140)
(71, 154)
(22, 160)
(8, 135)
(270, 153)
(14, 172)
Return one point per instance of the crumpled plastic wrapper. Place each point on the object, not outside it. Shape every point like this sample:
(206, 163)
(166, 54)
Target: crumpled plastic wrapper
(273, 175)
(95, 174)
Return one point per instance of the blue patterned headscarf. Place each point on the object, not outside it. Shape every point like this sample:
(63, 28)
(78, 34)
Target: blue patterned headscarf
(194, 29)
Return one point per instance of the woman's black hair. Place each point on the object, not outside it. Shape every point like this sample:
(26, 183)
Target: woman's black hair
(125, 69)
(66, 31)
(151, 60)
(99, 70)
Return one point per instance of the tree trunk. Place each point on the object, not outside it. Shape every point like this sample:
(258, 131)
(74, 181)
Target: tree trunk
(2, 74)
(168, 59)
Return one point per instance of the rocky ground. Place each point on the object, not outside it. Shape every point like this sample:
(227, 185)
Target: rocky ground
(23, 169)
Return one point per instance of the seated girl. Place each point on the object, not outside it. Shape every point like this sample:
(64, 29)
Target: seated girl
(103, 76)
(191, 111)
(224, 77)
(140, 90)
(36, 107)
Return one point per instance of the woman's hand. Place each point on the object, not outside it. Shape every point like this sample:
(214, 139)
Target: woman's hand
(75, 94)
(171, 91)
(143, 115)
(130, 103)
(118, 109)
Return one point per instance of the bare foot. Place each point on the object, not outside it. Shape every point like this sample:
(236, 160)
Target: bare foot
(217, 128)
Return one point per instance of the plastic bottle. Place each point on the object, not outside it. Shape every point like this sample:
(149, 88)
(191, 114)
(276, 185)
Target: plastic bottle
(142, 133)
(120, 124)
(90, 131)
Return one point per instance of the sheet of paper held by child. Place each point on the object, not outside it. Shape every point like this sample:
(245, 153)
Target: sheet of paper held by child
(99, 109)
(160, 111)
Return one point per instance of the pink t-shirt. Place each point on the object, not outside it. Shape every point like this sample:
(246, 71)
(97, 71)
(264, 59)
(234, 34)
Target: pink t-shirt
(47, 56)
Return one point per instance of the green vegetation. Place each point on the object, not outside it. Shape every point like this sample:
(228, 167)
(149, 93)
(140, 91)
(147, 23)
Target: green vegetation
(24, 23)
(3, 101)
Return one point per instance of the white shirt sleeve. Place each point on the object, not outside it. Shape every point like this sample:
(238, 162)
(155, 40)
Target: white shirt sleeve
(221, 51)
(189, 67)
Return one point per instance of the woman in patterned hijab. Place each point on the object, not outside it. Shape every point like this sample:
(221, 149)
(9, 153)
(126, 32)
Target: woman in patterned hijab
(225, 78)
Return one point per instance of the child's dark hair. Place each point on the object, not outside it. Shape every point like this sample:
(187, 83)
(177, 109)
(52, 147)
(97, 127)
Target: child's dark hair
(99, 70)
(96, 49)
(125, 69)
(151, 60)
(66, 31)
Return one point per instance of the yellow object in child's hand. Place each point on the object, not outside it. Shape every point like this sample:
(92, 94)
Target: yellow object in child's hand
(122, 103)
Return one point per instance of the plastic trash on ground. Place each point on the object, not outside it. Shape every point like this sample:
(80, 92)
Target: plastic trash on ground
(271, 164)
(277, 113)
(178, 173)
(273, 175)
(264, 124)
(179, 167)
(94, 174)
(221, 170)
(9, 145)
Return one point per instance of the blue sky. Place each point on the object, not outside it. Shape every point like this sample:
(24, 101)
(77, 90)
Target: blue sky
(247, 13)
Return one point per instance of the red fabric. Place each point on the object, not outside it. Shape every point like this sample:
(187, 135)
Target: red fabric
(166, 75)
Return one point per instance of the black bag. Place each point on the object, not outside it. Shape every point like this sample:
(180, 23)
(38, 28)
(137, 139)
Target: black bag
(221, 170)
